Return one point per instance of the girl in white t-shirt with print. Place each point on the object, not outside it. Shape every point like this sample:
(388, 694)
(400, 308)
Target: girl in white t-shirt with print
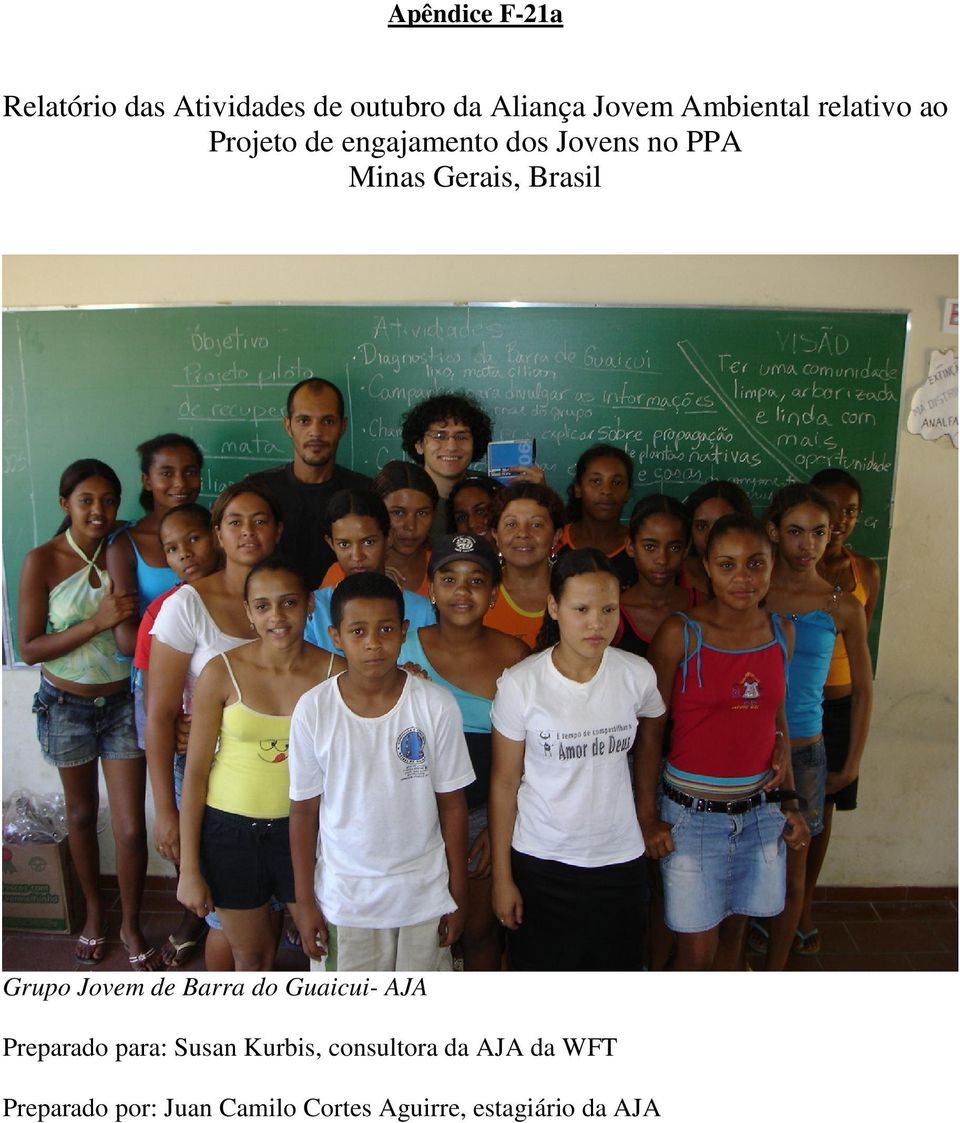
(567, 875)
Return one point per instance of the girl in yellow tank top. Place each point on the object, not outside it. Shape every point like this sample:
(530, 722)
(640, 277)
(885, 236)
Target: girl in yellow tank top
(234, 816)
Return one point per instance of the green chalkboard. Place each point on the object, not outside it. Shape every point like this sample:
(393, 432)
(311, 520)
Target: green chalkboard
(759, 396)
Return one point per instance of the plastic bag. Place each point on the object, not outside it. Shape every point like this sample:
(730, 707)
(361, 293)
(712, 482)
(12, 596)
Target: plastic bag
(29, 817)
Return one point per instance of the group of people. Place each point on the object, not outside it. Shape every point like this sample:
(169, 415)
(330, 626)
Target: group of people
(429, 711)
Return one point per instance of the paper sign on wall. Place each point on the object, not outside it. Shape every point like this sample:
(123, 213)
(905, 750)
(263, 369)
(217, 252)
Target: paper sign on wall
(933, 412)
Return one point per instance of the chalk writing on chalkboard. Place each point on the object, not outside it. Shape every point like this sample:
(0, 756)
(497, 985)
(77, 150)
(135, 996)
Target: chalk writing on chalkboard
(758, 396)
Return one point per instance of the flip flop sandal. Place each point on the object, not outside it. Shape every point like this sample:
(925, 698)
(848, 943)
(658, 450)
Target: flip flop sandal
(143, 961)
(807, 943)
(757, 937)
(97, 947)
(181, 952)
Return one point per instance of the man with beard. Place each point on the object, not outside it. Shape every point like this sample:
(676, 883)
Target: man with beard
(315, 423)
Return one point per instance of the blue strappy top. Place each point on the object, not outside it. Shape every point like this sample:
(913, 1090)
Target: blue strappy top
(152, 580)
(474, 708)
(475, 711)
(815, 635)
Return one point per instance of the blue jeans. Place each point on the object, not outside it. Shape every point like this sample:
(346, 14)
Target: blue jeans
(74, 730)
(810, 780)
(722, 865)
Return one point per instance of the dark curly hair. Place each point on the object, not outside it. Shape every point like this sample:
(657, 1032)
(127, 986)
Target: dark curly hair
(458, 406)
(485, 483)
(545, 496)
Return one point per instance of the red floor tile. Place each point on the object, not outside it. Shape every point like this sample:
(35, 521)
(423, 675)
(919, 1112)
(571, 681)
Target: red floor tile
(946, 933)
(934, 961)
(844, 910)
(894, 936)
(862, 929)
(916, 910)
(834, 938)
(161, 900)
(860, 893)
(869, 961)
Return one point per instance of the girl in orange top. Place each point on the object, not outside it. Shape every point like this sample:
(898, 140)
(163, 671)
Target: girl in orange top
(528, 524)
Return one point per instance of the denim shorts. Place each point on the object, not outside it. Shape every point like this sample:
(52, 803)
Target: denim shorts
(810, 780)
(74, 730)
(140, 712)
(722, 865)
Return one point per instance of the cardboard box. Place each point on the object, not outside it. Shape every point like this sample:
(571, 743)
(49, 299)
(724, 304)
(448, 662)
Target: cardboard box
(40, 888)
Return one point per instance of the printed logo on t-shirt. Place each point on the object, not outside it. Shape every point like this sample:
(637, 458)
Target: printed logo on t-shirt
(411, 749)
(585, 744)
(273, 751)
(747, 691)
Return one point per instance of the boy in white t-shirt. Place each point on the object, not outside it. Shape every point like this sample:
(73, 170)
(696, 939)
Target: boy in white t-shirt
(384, 753)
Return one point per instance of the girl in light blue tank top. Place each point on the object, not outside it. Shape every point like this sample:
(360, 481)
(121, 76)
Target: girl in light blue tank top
(467, 658)
(170, 467)
(799, 522)
(170, 472)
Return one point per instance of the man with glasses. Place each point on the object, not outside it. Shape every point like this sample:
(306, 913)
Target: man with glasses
(446, 433)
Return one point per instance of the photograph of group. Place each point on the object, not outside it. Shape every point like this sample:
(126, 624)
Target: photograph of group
(556, 623)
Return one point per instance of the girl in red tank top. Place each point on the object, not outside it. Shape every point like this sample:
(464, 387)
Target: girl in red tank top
(718, 829)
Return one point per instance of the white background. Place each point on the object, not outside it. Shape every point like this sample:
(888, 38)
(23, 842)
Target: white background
(724, 1047)
(798, 186)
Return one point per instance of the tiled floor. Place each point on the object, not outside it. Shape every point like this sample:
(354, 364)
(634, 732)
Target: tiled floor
(891, 929)
(31, 951)
(898, 929)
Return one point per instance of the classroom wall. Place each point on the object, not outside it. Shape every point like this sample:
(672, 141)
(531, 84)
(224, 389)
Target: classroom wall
(905, 830)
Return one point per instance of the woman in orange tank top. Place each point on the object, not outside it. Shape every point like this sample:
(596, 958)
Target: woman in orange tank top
(528, 522)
